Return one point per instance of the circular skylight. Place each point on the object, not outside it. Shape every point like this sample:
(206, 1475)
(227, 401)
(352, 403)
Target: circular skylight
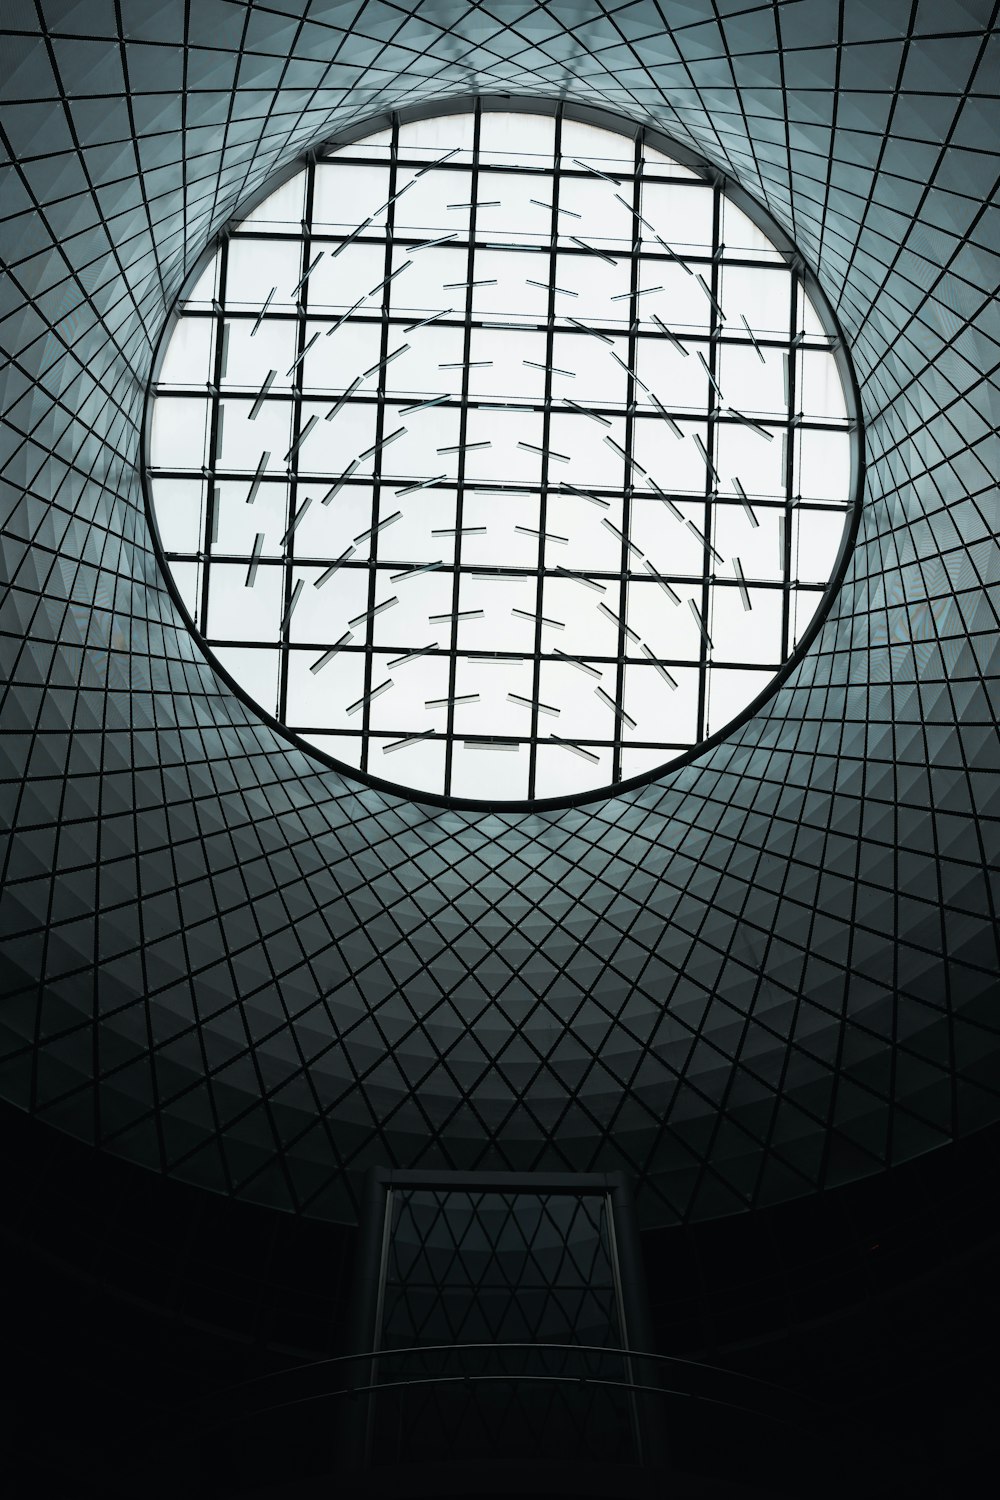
(501, 456)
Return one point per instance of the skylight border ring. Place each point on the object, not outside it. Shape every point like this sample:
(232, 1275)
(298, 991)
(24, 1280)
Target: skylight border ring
(778, 237)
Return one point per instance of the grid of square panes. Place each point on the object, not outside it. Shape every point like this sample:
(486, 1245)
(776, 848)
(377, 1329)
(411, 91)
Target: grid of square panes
(500, 456)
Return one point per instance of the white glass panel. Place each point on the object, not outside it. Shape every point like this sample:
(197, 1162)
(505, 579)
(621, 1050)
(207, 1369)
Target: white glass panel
(503, 774)
(237, 525)
(514, 273)
(320, 700)
(753, 386)
(590, 543)
(256, 268)
(205, 288)
(421, 209)
(805, 604)
(729, 692)
(187, 580)
(667, 542)
(604, 149)
(419, 764)
(823, 467)
(487, 618)
(256, 671)
(596, 284)
(761, 295)
(327, 531)
(409, 624)
(347, 193)
(524, 215)
(604, 220)
(336, 359)
(509, 138)
(677, 465)
(412, 538)
(281, 212)
(561, 772)
(318, 612)
(403, 708)
(438, 135)
(432, 366)
(498, 366)
(820, 393)
(331, 446)
(505, 460)
(244, 440)
(809, 321)
(240, 613)
(741, 236)
(179, 435)
(678, 381)
(679, 214)
(816, 540)
(640, 762)
(570, 688)
(592, 632)
(745, 455)
(251, 357)
(759, 548)
(597, 379)
(682, 302)
(323, 614)
(500, 530)
(434, 281)
(179, 507)
(343, 747)
(496, 713)
(662, 714)
(423, 450)
(659, 164)
(670, 631)
(742, 635)
(338, 281)
(592, 462)
(189, 355)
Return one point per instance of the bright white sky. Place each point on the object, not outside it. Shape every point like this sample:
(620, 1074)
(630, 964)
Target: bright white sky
(507, 515)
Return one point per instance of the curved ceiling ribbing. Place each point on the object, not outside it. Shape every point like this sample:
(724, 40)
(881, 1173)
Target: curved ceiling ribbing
(771, 970)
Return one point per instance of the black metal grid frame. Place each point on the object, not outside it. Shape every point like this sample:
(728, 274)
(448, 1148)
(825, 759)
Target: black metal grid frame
(715, 416)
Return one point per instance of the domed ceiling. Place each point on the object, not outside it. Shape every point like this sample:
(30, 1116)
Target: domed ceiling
(770, 971)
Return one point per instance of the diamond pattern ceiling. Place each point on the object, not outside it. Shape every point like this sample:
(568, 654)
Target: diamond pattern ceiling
(772, 970)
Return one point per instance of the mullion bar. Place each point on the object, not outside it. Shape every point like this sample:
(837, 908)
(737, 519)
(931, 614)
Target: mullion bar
(398, 732)
(215, 419)
(409, 241)
(515, 657)
(376, 480)
(710, 483)
(789, 470)
(630, 398)
(519, 169)
(723, 418)
(764, 502)
(463, 427)
(293, 470)
(824, 341)
(546, 436)
(477, 570)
